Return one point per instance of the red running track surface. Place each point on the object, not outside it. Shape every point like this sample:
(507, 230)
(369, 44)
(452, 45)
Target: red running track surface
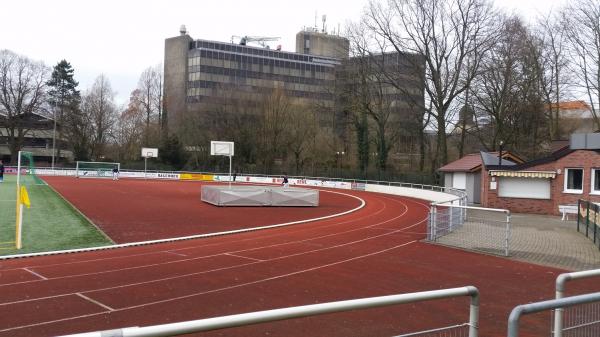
(372, 252)
(130, 210)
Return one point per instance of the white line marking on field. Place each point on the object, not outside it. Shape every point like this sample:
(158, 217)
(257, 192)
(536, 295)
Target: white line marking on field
(305, 241)
(36, 274)
(243, 257)
(198, 236)
(174, 253)
(95, 302)
(213, 290)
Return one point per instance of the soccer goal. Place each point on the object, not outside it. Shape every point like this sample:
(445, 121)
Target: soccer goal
(94, 169)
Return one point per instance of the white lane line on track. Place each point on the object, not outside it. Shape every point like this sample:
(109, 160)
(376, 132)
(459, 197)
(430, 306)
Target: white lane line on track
(175, 253)
(191, 237)
(218, 269)
(36, 274)
(238, 251)
(95, 302)
(295, 231)
(243, 257)
(214, 290)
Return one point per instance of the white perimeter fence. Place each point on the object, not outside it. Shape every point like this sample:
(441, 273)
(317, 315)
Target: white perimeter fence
(467, 227)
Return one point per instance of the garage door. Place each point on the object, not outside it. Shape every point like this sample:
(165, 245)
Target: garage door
(532, 188)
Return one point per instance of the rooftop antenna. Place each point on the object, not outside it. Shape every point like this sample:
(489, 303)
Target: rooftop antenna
(316, 20)
(182, 30)
(324, 18)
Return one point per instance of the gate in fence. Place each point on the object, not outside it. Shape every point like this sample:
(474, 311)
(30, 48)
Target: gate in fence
(467, 227)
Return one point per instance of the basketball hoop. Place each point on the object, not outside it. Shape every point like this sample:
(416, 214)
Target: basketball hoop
(148, 152)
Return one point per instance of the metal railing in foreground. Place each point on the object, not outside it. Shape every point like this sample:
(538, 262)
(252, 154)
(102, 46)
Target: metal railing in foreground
(517, 312)
(224, 322)
(576, 321)
(468, 227)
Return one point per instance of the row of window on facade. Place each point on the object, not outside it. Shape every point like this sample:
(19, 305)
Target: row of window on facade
(253, 103)
(232, 48)
(258, 71)
(574, 180)
(195, 60)
(256, 95)
(250, 84)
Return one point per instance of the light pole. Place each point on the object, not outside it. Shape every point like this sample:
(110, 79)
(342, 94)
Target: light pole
(54, 137)
(500, 155)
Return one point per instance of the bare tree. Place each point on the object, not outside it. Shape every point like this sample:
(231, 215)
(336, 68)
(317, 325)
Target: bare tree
(581, 21)
(302, 129)
(553, 62)
(451, 35)
(99, 106)
(507, 94)
(149, 97)
(129, 130)
(276, 110)
(22, 94)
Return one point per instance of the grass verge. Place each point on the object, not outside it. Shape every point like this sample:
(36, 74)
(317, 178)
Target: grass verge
(50, 224)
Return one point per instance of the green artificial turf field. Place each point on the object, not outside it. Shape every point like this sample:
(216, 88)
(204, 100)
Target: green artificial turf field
(50, 224)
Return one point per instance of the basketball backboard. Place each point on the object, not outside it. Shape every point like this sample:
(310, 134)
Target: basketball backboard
(148, 152)
(218, 148)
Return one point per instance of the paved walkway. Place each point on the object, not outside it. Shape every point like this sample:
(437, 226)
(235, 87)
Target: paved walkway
(539, 239)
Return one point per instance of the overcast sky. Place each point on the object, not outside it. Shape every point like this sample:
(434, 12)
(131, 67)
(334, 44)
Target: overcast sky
(122, 38)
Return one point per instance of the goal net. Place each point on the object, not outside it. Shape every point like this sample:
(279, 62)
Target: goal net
(93, 169)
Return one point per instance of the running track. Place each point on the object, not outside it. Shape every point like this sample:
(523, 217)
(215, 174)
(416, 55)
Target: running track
(374, 251)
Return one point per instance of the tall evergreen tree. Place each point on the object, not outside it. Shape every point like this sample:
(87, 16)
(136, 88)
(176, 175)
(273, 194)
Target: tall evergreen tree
(65, 100)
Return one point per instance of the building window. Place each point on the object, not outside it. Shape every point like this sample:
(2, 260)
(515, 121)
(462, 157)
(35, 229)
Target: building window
(573, 180)
(595, 181)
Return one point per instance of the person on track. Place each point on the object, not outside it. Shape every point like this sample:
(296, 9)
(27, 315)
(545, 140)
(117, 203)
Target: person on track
(286, 183)
(115, 173)
(1, 171)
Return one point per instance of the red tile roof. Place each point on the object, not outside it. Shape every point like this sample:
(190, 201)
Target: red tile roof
(468, 163)
(572, 105)
(472, 162)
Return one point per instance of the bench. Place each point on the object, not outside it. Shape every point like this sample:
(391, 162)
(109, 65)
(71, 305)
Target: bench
(566, 210)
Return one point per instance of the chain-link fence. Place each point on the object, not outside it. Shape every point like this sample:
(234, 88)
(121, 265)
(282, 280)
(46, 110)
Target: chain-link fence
(473, 228)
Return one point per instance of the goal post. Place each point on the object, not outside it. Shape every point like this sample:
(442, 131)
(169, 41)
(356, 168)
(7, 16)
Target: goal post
(95, 169)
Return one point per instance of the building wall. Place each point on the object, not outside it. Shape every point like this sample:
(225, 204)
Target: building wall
(175, 74)
(578, 159)
(321, 44)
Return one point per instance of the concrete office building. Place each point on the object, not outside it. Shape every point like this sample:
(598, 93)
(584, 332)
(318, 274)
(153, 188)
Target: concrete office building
(202, 74)
(209, 78)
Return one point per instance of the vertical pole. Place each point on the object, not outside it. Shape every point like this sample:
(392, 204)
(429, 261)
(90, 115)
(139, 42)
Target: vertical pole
(19, 208)
(507, 239)
(587, 220)
(230, 171)
(54, 140)
(474, 315)
(578, 213)
(558, 316)
(20, 227)
(145, 166)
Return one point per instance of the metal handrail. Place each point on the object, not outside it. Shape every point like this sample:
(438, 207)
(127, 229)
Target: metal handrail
(561, 281)
(223, 322)
(518, 311)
